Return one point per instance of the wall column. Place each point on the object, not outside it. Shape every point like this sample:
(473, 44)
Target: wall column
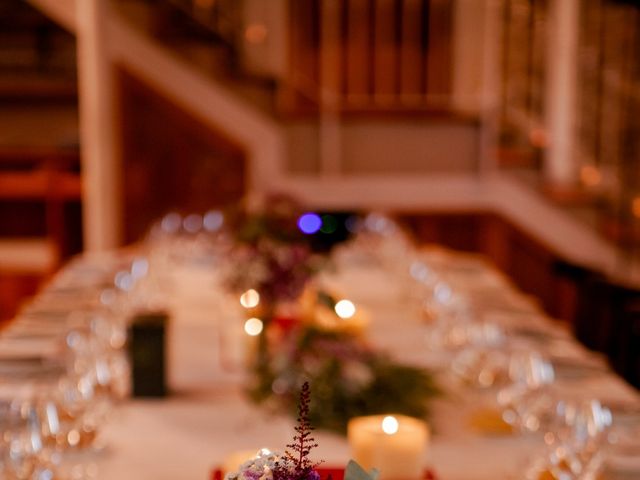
(491, 83)
(561, 166)
(101, 197)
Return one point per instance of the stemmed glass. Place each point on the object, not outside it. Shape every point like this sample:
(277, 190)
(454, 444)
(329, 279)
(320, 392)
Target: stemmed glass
(29, 424)
(575, 441)
(527, 398)
(97, 377)
(21, 444)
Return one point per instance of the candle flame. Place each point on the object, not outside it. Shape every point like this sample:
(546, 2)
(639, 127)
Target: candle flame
(250, 299)
(345, 309)
(253, 327)
(390, 425)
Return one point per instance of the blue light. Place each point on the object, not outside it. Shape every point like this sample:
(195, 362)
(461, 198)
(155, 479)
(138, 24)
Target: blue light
(309, 223)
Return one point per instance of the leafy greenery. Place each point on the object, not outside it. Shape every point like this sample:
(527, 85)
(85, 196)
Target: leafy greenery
(348, 379)
(325, 299)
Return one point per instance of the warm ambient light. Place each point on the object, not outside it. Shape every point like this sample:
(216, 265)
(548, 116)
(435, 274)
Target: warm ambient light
(253, 327)
(390, 425)
(538, 137)
(635, 207)
(256, 33)
(250, 299)
(345, 309)
(590, 175)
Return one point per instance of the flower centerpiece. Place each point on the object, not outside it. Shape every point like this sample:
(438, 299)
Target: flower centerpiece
(271, 254)
(272, 257)
(349, 378)
(320, 341)
(295, 463)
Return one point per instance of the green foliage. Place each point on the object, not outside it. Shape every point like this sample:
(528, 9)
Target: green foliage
(347, 378)
(325, 299)
(393, 388)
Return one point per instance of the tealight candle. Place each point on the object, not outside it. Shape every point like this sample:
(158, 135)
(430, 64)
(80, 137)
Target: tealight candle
(394, 444)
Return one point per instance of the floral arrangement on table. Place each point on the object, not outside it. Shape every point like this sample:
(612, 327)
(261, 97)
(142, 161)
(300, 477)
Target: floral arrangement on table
(349, 378)
(274, 258)
(295, 464)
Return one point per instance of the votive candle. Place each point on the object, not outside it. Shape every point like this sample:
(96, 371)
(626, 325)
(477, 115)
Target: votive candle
(393, 444)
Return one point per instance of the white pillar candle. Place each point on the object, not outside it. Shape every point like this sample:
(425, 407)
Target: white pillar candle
(394, 444)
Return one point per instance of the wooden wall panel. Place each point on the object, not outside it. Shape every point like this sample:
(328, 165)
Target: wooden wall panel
(531, 268)
(171, 161)
(301, 88)
(385, 52)
(357, 65)
(494, 239)
(411, 54)
(394, 56)
(438, 69)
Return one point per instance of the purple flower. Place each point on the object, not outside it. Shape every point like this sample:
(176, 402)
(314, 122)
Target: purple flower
(313, 475)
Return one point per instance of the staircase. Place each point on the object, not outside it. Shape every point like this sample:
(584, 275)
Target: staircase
(282, 134)
(212, 51)
(384, 80)
(206, 39)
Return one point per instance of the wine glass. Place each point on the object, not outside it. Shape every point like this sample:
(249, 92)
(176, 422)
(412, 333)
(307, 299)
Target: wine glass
(575, 441)
(27, 450)
(527, 399)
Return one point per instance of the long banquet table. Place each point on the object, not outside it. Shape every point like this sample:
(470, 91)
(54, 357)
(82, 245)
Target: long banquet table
(207, 417)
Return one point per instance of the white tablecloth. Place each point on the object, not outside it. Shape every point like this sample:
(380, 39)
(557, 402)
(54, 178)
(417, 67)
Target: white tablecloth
(207, 417)
(185, 435)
